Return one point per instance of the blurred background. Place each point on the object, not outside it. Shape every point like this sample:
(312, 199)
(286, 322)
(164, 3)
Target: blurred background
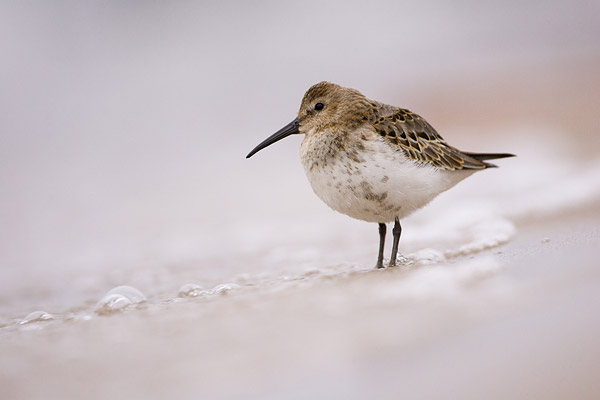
(125, 126)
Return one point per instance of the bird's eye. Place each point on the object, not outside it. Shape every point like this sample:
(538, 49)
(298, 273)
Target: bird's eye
(319, 106)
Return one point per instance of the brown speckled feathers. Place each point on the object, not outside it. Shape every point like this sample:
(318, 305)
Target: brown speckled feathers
(419, 140)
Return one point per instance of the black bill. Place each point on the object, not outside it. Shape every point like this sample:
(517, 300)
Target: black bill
(287, 130)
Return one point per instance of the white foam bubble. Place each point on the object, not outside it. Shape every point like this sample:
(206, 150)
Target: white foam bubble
(425, 257)
(191, 290)
(224, 288)
(484, 236)
(119, 299)
(36, 316)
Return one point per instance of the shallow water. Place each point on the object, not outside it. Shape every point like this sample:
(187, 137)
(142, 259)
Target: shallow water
(503, 264)
(508, 323)
(257, 250)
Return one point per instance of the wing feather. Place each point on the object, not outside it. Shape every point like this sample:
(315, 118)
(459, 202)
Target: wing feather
(418, 140)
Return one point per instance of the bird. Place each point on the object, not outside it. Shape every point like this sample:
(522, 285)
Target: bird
(372, 161)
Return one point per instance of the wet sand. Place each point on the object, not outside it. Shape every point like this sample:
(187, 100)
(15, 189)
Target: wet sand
(517, 321)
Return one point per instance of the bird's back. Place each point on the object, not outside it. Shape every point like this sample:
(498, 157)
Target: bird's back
(413, 135)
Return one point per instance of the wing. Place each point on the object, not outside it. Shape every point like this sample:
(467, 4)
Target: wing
(419, 141)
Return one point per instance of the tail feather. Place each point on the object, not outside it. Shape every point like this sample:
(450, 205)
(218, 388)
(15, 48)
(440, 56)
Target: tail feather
(488, 156)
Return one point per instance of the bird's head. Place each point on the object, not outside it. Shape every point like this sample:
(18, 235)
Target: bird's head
(324, 106)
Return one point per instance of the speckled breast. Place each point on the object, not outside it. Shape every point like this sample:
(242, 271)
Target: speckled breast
(369, 180)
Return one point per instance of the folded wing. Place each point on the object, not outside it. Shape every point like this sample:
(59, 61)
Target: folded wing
(420, 142)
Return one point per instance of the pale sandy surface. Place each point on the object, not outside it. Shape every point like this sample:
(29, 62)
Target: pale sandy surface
(499, 302)
(518, 322)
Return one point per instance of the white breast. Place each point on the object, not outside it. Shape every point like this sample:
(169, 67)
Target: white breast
(382, 185)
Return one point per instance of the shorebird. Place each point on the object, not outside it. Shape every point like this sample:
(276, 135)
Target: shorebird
(372, 161)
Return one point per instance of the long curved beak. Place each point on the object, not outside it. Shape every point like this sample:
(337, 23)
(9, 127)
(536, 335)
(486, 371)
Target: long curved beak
(289, 129)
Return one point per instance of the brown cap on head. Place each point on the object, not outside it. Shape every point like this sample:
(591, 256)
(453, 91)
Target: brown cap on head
(324, 105)
(327, 104)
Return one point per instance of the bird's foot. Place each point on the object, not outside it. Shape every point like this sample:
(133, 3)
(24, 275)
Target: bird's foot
(400, 261)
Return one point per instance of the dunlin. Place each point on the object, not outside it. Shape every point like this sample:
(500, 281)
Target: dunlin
(372, 161)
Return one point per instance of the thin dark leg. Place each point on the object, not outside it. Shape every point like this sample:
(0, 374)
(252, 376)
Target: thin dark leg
(396, 231)
(381, 244)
